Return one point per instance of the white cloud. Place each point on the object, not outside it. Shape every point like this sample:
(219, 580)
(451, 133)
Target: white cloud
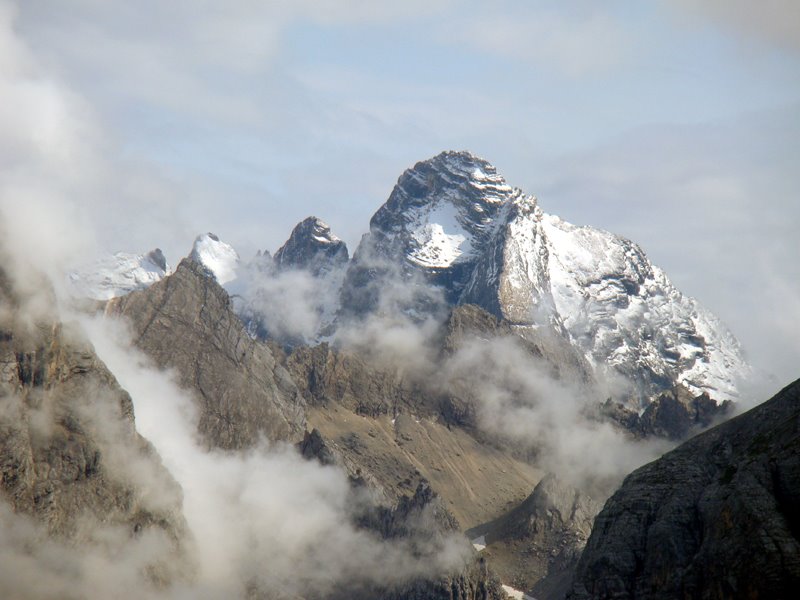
(266, 517)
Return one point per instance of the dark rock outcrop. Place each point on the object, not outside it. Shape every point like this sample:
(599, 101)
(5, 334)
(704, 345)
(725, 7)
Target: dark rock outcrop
(718, 517)
(185, 322)
(675, 414)
(428, 528)
(312, 247)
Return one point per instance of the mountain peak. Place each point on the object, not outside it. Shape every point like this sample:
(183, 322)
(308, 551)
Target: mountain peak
(454, 176)
(443, 210)
(219, 258)
(312, 246)
(317, 228)
(464, 161)
(157, 258)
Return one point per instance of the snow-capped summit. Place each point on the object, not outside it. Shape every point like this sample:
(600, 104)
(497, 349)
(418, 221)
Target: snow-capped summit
(456, 222)
(118, 274)
(312, 247)
(217, 256)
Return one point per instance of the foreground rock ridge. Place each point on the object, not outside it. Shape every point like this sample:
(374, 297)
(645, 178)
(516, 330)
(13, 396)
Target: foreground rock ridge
(718, 517)
(71, 458)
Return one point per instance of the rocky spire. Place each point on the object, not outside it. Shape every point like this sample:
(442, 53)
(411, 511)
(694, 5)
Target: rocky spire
(313, 247)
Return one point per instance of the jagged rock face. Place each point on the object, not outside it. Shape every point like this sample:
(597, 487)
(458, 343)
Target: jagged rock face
(440, 216)
(119, 274)
(675, 414)
(717, 517)
(312, 247)
(437, 224)
(423, 521)
(327, 376)
(536, 546)
(185, 322)
(455, 222)
(70, 455)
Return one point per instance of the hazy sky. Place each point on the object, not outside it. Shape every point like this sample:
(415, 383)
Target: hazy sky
(673, 122)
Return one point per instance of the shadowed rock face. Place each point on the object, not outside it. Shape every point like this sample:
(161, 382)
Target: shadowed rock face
(70, 456)
(718, 517)
(536, 546)
(423, 521)
(185, 322)
(312, 247)
(675, 414)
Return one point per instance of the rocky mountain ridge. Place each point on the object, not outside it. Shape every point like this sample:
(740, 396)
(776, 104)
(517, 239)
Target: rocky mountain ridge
(454, 232)
(313, 247)
(186, 322)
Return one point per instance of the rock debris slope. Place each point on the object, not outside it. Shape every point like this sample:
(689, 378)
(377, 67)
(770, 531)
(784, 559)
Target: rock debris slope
(718, 517)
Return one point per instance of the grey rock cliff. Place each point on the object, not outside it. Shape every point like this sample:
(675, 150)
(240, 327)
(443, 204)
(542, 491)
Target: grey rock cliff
(718, 517)
(185, 322)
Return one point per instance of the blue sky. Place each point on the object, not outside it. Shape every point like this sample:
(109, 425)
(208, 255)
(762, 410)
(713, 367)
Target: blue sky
(673, 122)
